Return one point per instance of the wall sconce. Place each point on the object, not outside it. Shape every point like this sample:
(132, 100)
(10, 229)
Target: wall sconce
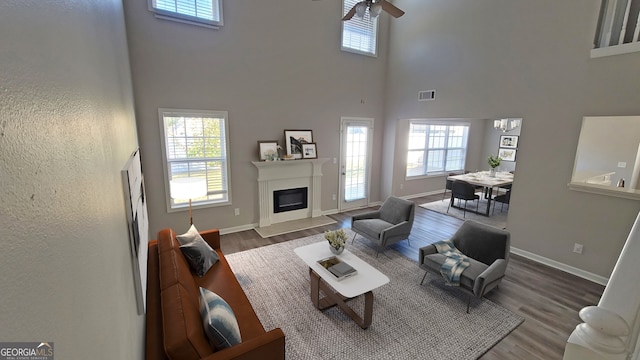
(188, 188)
(505, 125)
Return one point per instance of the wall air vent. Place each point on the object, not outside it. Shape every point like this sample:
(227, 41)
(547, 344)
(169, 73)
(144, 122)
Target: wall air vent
(426, 95)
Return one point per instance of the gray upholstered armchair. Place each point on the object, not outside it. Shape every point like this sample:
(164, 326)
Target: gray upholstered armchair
(487, 249)
(387, 225)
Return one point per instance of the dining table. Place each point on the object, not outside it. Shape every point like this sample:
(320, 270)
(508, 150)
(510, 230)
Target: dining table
(488, 181)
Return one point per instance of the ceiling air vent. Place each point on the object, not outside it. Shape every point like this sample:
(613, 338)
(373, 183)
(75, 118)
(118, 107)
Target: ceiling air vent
(426, 95)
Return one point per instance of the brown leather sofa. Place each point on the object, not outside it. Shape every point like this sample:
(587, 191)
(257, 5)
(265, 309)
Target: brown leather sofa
(174, 327)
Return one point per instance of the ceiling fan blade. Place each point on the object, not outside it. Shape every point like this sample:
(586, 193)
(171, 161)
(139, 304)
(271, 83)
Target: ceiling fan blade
(391, 9)
(350, 14)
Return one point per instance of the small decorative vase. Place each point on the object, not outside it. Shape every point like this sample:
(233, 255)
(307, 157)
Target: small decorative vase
(337, 251)
(492, 172)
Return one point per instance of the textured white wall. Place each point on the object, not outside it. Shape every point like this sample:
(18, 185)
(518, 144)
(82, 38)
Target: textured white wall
(67, 128)
(527, 59)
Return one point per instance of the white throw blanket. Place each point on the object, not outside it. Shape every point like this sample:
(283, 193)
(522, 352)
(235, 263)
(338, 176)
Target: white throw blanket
(455, 263)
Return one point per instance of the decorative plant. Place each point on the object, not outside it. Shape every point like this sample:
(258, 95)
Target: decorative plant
(494, 161)
(336, 238)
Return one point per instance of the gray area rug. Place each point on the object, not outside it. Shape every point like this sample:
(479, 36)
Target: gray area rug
(410, 321)
(497, 219)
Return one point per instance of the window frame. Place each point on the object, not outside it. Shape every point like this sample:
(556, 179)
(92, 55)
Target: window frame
(612, 22)
(189, 19)
(373, 33)
(426, 149)
(171, 205)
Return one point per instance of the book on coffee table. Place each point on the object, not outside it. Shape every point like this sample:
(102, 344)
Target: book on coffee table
(337, 267)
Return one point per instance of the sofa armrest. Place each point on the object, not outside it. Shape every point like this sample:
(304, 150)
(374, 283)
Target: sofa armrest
(268, 346)
(212, 237)
(489, 276)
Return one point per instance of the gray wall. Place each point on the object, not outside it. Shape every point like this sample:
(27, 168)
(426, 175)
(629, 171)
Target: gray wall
(527, 59)
(67, 127)
(275, 65)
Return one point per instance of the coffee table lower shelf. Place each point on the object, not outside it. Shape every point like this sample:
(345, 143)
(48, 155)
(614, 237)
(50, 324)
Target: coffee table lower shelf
(332, 299)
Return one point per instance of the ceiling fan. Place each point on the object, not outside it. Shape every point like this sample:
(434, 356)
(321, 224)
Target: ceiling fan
(375, 8)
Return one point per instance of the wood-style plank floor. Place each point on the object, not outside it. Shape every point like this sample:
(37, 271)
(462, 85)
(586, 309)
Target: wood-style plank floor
(548, 299)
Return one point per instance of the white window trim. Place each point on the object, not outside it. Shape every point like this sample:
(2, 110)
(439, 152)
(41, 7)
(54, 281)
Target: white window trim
(186, 19)
(435, 122)
(199, 204)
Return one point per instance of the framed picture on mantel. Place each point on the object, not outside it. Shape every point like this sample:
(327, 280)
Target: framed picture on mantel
(309, 151)
(268, 150)
(294, 139)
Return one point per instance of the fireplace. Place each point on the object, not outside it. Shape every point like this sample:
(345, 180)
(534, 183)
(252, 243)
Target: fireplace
(289, 200)
(289, 175)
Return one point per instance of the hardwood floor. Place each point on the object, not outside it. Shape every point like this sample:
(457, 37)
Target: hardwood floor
(548, 299)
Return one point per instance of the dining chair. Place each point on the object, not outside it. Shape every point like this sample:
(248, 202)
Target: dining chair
(448, 185)
(504, 199)
(462, 190)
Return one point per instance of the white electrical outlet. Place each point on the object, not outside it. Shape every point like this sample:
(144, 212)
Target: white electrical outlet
(401, 186)
(622, 164)
(237, 211)
(577, 248)
(333, 196)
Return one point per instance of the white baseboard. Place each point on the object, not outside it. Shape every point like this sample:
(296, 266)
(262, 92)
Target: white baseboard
(560, 266)
(238, 229)
(407, 197)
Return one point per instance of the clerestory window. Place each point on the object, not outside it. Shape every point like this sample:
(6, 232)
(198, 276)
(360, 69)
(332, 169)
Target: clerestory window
(198, 12)
(359, 35)
(618, 30)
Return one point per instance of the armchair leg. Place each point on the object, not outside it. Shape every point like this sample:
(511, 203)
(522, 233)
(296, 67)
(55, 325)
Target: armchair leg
(424, 277)
(354, 238)
(468, 303)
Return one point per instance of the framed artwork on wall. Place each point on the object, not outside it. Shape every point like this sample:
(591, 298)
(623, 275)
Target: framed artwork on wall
(267, 150)
(294, 139)
(138, 221)
(309, 151)
(507, 154)
(509, 141)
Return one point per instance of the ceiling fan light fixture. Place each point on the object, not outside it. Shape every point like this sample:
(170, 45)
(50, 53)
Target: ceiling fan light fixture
(375, 10)
(361, 7)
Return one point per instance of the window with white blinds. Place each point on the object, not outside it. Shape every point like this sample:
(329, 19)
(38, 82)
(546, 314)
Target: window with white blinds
(435, 148)
(618, 30)
(359, 35)
(195, 144)
(198, 12)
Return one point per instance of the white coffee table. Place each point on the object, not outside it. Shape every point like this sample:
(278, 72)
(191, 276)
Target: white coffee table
(367, 279)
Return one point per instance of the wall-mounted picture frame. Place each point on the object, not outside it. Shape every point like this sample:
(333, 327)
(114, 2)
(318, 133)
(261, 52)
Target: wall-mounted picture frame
(309, 151)
(509, 141)
(294, 139)
(268, 150)
(507, 154)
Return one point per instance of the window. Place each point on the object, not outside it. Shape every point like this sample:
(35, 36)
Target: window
(199, 12)
(436, 148)
(195, 144)
(618, 30)
(359, 35)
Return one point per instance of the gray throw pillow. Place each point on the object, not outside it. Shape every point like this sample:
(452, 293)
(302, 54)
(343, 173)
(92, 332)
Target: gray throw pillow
(200, 256)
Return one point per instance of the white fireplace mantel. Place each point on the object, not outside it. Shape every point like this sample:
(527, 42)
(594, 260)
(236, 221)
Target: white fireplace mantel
(281, 175)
